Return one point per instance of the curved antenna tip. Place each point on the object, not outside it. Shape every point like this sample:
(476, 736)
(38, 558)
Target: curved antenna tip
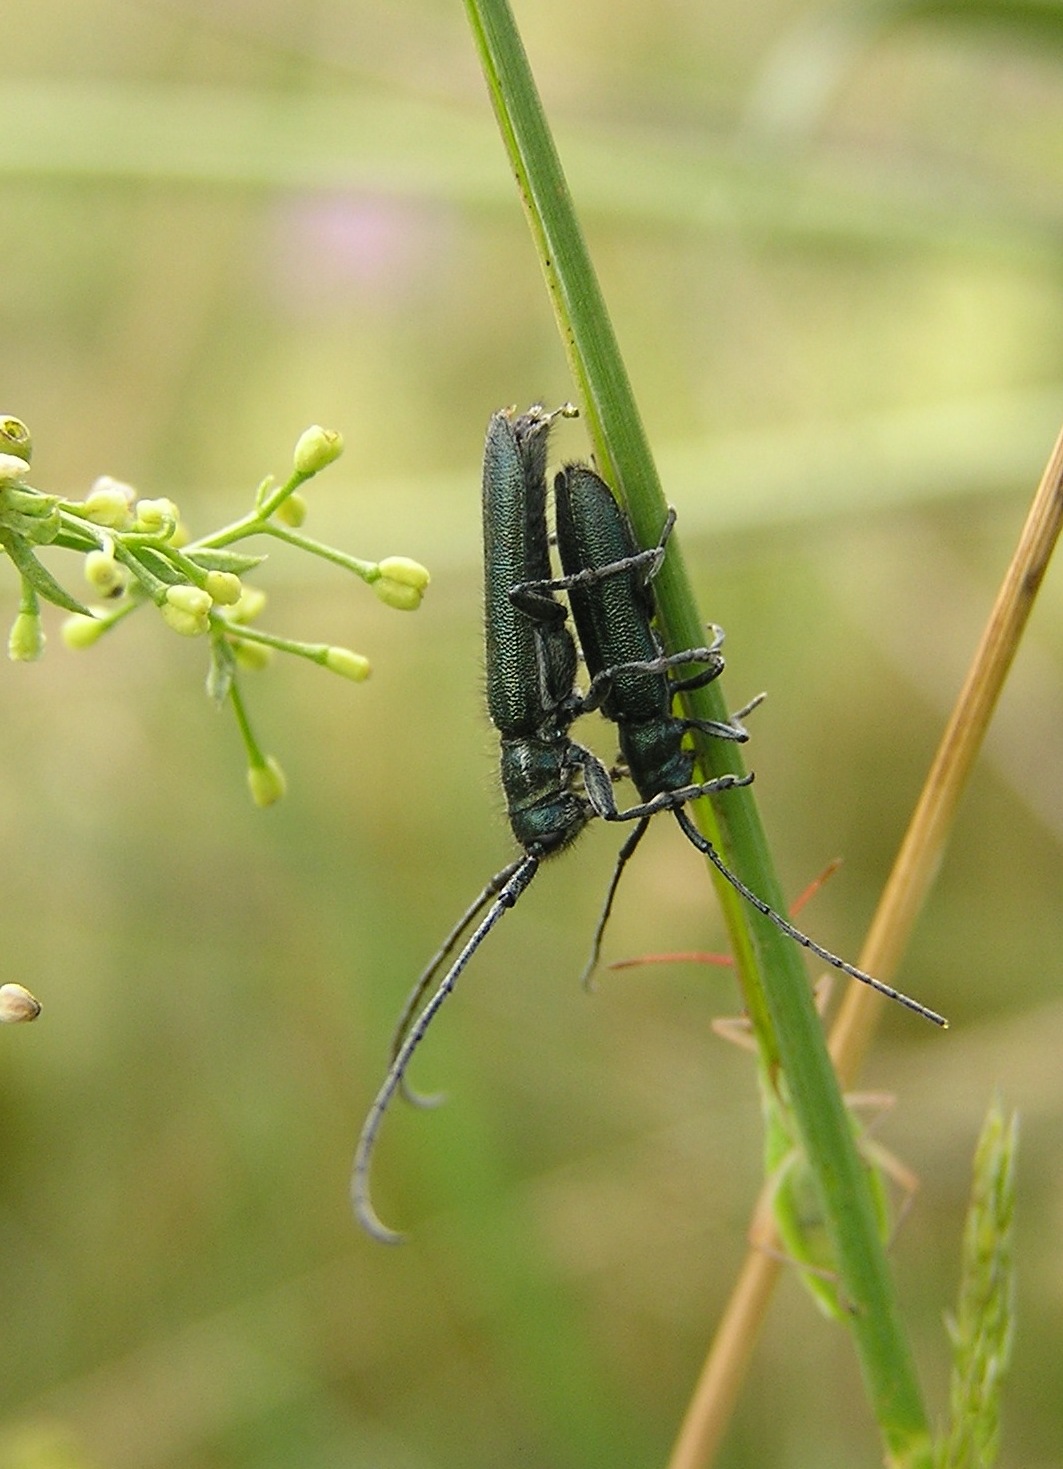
(427, 1101)
(370, 1220)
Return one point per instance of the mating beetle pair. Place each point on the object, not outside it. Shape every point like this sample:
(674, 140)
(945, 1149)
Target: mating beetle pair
(552, 785)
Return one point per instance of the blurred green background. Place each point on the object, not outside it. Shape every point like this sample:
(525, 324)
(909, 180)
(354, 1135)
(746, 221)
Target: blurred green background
(835, 263)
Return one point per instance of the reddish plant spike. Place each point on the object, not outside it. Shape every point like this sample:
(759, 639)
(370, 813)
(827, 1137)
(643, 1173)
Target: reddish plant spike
(689, 956)
(814, 886)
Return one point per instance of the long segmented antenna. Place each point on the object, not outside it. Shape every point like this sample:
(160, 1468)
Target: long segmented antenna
(420, 989)
(522, 875)
(627, 851)
(704, 846)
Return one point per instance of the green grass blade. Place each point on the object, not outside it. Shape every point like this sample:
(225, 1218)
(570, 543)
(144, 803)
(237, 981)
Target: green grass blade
(774, 981)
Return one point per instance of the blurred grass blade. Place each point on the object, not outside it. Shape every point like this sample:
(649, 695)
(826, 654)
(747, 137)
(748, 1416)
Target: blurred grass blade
(809, 65)
(429, 151)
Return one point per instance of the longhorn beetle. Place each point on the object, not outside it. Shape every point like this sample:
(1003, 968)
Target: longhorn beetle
(609, 584)
(552, 786)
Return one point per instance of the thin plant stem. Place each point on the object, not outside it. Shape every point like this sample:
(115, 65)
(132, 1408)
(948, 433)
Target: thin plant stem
(775, 986)
(903, 897)
(367, 570)
(254, 753)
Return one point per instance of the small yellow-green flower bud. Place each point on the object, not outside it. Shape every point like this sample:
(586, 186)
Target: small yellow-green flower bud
(350, 665)
(17, 1004)
(401, 582)
(267, 782)
(15, 437)
(253, 656)
(156, 515)
(187, 610)
(13, 470)
(291, 511)
(185, 623)
(317, 447)
(251, 604)
(224, 587)
(109, 502)
(25, 643)
(394, 594)
(104, 574)
(80, 631)
(408, 573)
(188, 598)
